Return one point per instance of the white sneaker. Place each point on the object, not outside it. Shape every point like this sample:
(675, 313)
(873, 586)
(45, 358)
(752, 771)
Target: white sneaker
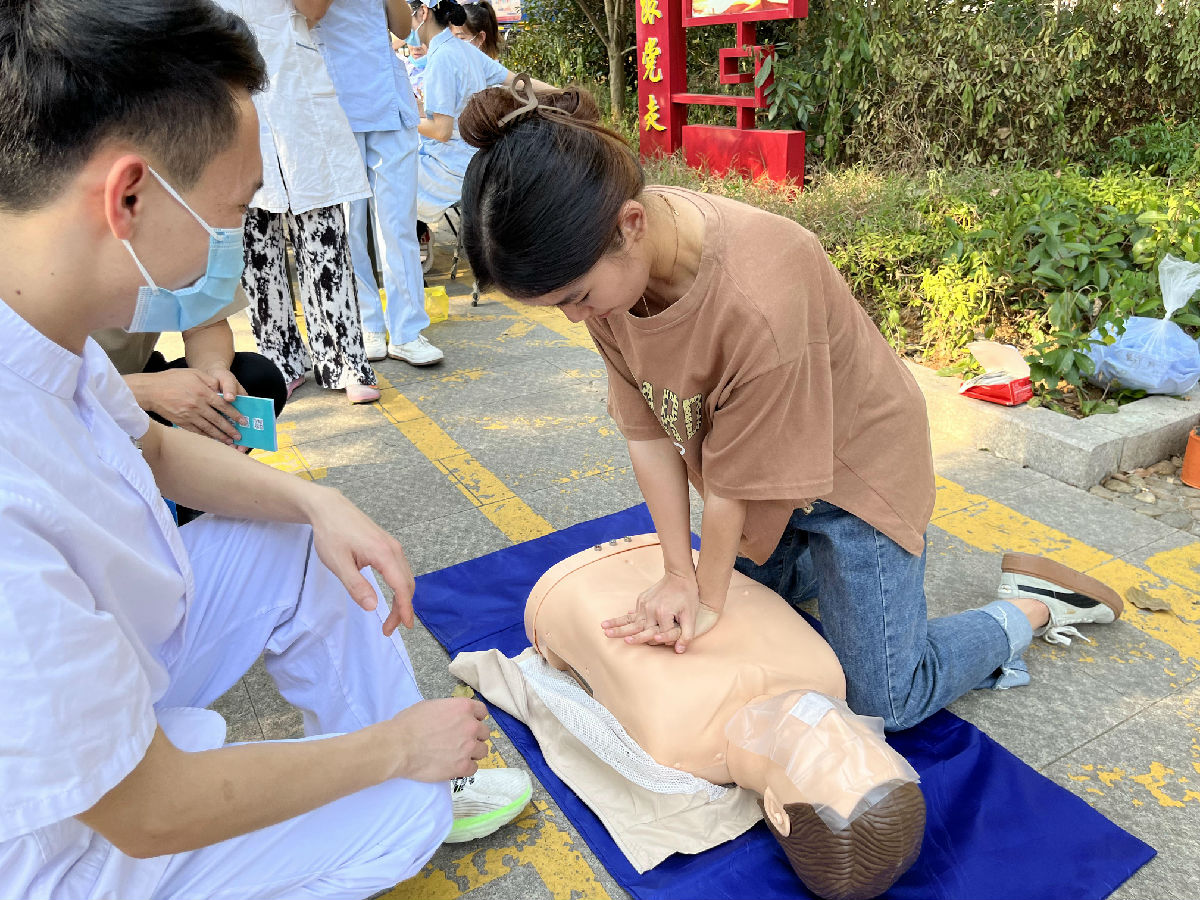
(1072, 597)
(486, 801)
(375, 343)
(417, 352)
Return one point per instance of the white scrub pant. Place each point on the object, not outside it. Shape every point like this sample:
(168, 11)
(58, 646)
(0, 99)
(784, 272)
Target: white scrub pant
(391, 161)
(260, 589)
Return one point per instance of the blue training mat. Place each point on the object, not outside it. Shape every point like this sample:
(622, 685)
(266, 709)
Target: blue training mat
(995, 827)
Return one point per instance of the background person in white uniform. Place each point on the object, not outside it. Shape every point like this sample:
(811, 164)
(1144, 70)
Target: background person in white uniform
(311, 167)
(454, 72)
(374, 90)
(131, 155)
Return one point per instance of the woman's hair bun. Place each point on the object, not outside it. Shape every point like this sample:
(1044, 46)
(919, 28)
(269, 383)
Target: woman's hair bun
(480, 121)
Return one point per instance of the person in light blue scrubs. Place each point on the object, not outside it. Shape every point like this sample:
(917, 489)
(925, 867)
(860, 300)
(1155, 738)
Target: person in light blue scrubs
(378, 100)
(455, 70)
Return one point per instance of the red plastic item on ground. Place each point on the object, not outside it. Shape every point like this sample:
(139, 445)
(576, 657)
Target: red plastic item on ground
(1008, 393)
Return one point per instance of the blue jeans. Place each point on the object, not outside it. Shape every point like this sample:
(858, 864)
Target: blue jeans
(900, 665)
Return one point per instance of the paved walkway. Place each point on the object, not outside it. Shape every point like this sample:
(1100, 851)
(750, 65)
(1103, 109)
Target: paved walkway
(509, 439)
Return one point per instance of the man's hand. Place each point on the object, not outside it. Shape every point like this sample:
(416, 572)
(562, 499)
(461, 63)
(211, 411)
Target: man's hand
(228, 386)
(439, 739)
(347, 541)
(195, 400)
(669, 612)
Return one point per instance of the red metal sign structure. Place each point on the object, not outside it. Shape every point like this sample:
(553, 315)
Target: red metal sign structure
(663, 96)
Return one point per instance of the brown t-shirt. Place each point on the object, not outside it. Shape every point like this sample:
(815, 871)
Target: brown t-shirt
(774, 384)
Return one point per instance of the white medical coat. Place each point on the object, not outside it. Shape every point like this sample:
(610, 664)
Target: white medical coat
(310, 159)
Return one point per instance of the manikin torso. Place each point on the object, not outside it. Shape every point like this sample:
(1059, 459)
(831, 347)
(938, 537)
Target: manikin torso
(676, 705)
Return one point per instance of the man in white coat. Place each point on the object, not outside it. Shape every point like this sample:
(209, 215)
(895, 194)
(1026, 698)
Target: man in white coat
(129, 159)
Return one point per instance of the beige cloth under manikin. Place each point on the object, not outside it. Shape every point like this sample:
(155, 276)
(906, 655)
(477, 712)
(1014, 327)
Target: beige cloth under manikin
(675, 706)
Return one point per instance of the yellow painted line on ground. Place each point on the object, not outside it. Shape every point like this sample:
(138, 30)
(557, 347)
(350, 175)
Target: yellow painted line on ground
(288, 457)
(491, 496)
(575, 333)
(1173, 577)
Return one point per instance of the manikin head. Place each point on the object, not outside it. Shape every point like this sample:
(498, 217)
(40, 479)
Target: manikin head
(93, 95)
(757, 701)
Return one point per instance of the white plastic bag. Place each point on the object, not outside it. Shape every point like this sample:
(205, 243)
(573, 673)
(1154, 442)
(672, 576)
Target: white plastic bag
(1153, 355)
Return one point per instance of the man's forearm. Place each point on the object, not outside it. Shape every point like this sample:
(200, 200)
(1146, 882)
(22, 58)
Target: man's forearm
(204, 474)
(209, 346)
(720, 537)
(174, 801)
(662, 477)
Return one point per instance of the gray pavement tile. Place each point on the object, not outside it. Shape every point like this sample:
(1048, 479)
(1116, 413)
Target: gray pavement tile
(244, 733)
(586, 498)
(399, 498)
(275, 714)
(1180, 546)
(528, 419)
(1056, 713)
(433, 544)
(555, 459)
(580, 362)
(1142, 776)
(488, 385)
(381, 453)
(1104, 525)
(237, 710)
(326, 414)
(980, 472)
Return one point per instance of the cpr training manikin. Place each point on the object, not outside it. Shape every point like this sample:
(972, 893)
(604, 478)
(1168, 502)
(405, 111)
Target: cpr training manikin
(759, 701)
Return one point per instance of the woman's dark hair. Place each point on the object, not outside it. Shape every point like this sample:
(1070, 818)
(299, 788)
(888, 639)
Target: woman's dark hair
(448, 12)
(161, 74)
(542, 197)
(481, 19)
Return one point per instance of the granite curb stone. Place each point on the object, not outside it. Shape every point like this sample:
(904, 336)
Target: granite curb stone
(1080, 452)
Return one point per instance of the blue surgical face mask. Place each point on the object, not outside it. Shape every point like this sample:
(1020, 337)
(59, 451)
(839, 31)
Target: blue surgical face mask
(159, 309)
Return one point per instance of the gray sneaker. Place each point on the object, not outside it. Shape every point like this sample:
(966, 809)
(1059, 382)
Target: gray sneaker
(1072, 597)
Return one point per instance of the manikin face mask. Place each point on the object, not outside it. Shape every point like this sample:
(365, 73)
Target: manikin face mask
(159, 309)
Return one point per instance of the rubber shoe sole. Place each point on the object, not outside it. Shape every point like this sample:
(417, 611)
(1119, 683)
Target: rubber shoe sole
(1077, 598)
(475, 827)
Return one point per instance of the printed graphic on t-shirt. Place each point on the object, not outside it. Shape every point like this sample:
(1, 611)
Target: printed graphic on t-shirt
(669, 409)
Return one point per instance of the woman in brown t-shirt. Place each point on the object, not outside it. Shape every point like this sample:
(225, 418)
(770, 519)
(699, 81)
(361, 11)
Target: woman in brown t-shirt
(738, 361)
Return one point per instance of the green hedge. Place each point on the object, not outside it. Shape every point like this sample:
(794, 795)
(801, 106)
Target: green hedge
(1035, 257)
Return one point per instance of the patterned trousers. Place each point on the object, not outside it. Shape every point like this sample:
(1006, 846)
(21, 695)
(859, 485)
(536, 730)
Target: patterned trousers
(326, 276)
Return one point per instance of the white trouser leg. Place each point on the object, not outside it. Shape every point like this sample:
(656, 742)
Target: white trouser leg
(392, 159)
(358, 220)
(261, 588)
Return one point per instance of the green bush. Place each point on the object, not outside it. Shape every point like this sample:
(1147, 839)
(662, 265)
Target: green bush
(933, 84)
(558, 45)
(1035, 257)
